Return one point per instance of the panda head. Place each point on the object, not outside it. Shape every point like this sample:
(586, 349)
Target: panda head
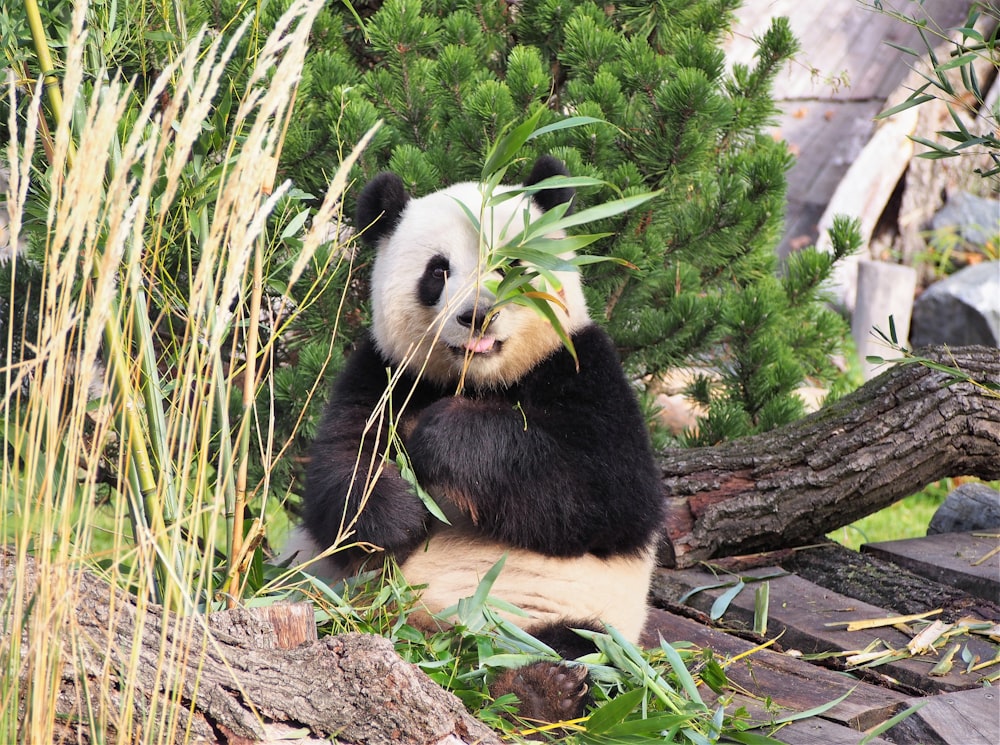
(431, 307)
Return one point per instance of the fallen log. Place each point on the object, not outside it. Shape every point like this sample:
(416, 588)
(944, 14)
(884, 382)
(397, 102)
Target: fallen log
(223, 679)
(907, 428)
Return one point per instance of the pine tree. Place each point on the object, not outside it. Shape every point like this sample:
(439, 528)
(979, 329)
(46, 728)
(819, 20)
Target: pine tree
(448, 76)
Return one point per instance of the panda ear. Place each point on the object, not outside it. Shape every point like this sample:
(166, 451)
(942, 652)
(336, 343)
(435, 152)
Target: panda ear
(379, 206)
(545, 167)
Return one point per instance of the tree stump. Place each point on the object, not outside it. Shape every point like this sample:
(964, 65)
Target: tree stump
(223, 679)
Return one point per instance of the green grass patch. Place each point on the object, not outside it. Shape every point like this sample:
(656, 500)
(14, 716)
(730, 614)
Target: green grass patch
(907, 518)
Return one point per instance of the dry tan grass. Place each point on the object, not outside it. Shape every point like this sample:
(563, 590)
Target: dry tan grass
(104, 236)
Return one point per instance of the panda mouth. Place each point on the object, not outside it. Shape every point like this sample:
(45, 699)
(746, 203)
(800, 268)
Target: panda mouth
(479, 346)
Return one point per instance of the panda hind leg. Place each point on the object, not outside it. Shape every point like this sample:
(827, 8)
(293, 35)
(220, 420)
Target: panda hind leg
(550, 691)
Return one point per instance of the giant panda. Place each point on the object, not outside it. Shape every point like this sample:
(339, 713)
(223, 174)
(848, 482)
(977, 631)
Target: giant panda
(530, 455)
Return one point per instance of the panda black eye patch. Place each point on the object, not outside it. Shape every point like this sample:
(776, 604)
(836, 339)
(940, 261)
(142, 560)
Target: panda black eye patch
(431, 283)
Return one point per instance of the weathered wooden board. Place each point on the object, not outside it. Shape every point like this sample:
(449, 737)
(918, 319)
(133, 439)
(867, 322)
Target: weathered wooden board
(800, 611)
(882, 583)
(792, 684)
(832, 90)
(960, 718)
(839, 40)
(951, 558)
(821, 732)
(825, 137)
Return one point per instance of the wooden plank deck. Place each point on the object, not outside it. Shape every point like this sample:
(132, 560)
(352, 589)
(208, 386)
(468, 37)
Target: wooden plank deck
(971, 564)
(831, 92)
(790, 683)
(813, 620)
(804, 667)
(963, 718)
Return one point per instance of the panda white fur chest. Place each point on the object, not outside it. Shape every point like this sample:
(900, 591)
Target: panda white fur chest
(529, 454)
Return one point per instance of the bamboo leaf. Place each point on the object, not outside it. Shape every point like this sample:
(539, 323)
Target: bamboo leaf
(407, 474)
(815, 711)
(959, 123)
(965, 59)
(504, 149)
(545, 224)
(472, 611)
(597, 212)
(473, 218)
(722, 602)
(914, 100)
(614, 711)
(539, 260)
(592, 259)
(943, 667)
(567, 123)
(654, 725)
(680, 670)
(701, 588)
(901, 48)
(931, 144)
(714, 676)
(543, 307)
(555, 246)
(890, 723)
(934, 155)
(968, 32)
(295, 224)
(559, 182)
(760, 606)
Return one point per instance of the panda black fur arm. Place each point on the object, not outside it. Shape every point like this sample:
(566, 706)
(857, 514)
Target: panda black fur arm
(393, 517)
(560, 463)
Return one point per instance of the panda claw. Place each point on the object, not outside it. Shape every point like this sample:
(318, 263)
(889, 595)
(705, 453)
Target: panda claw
(547, 691)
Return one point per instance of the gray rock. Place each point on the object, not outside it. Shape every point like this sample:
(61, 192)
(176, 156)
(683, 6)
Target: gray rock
(961, 309)
(969, 507)
(976, 219)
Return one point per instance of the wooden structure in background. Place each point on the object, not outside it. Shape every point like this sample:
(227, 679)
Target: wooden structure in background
(832, 92)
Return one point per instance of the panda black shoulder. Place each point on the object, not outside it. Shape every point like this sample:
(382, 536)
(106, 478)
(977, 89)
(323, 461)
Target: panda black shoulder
(366, 376)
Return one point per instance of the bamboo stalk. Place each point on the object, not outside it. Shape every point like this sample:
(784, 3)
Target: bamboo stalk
(41, 44)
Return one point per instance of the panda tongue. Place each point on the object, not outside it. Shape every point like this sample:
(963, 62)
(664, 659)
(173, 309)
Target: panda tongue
(480, 345)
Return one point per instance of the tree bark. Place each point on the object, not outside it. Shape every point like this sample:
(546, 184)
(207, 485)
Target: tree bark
(901, 431)
(224, 680)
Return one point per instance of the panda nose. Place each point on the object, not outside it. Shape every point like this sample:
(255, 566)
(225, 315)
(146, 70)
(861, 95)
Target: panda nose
(472, 317)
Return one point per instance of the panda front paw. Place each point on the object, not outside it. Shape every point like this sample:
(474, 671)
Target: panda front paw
(548, 692)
